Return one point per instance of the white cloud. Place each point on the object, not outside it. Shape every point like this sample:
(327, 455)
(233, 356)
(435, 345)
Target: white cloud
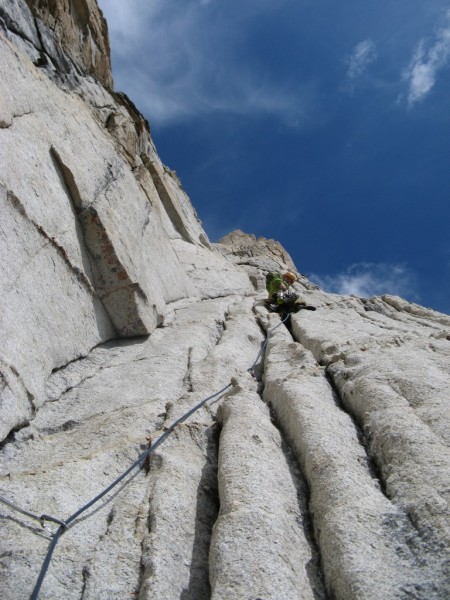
(362, 56)
(422, 71)
(181, 58)
(370, 279)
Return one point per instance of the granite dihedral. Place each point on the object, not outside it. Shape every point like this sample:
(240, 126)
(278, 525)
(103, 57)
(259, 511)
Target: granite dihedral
(323, 473)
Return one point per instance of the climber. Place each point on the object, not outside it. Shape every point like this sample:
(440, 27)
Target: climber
(282, 299)
(276, 284)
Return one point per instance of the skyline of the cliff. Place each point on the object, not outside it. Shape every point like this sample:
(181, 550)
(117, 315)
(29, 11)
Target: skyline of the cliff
(321, 127)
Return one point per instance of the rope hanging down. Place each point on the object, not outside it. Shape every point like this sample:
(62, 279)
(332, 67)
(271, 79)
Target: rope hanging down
(31, 515)
(64, 525)
(263, 347)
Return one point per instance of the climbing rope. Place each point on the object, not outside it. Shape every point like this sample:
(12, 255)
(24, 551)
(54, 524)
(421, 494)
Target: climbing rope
(64, 525)
(31, 515)
(263, 347)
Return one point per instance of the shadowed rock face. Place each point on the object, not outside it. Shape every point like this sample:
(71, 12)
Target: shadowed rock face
(325, 474)
(79, 27)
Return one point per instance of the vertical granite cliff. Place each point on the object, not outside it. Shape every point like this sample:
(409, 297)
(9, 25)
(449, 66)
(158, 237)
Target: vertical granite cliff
(324, 474)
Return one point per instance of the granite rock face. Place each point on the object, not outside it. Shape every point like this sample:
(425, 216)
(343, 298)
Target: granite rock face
(67, 35)
(320, 473)
(246, 249)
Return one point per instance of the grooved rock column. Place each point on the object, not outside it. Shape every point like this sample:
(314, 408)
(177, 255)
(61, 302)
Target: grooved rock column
(389, 361)
(369, 548)
(183, 508)
(184, 498)
(259, 548)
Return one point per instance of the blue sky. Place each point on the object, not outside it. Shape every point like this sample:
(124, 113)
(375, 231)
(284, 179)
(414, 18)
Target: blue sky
(321, 124)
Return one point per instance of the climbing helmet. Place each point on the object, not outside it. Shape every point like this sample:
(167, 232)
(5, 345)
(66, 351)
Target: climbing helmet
(289, 277)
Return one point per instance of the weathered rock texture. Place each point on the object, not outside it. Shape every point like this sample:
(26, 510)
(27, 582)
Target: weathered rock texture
(323, 475)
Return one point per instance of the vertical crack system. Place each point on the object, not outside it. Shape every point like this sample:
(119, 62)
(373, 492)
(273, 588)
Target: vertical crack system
(206, 513)
(314, 566)
(370, 461)
(166, 199)
(184, 499)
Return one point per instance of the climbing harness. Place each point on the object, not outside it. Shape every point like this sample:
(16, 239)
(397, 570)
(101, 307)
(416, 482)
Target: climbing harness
(285, 303)
(70, 521)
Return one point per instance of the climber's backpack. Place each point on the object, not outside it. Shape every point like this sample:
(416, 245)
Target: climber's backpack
(271, 279)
